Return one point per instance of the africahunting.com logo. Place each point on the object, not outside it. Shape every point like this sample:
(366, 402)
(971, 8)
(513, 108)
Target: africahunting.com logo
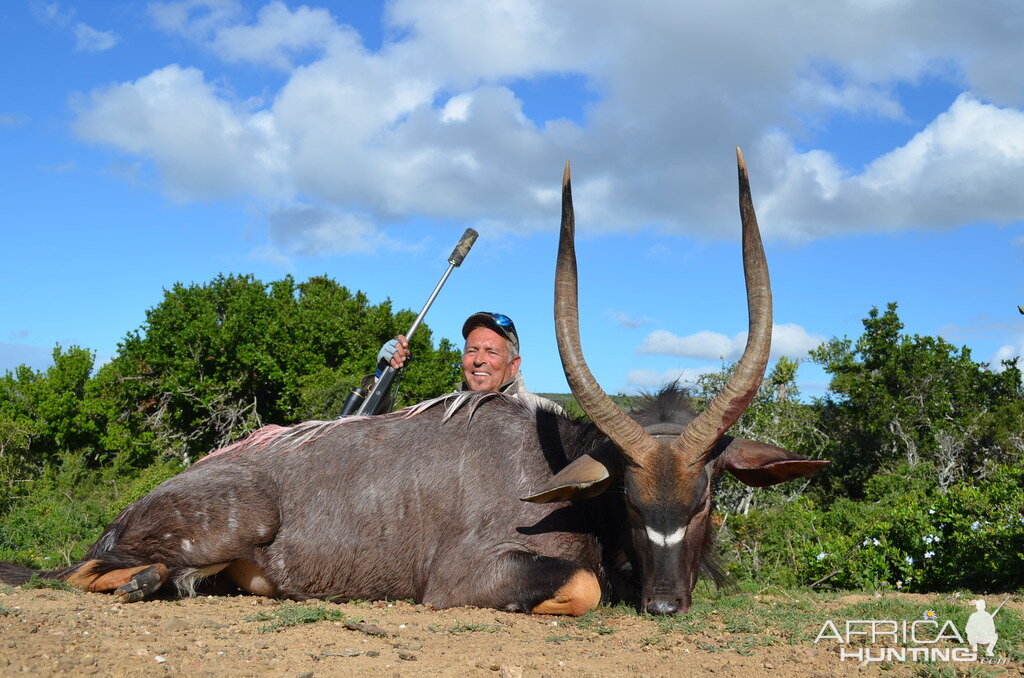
(928, 639)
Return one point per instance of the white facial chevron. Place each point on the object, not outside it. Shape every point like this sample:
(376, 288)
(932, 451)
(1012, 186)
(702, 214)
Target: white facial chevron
(669, 540)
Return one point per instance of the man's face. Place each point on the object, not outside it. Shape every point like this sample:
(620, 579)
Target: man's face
(485, 365)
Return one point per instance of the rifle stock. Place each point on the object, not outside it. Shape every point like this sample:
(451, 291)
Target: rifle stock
(374, 401)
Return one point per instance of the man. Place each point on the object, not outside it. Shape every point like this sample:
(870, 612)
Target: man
(490, 358)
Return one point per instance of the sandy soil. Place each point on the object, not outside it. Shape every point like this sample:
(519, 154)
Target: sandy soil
(48, 632)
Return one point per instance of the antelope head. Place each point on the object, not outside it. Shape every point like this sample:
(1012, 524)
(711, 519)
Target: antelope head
(667, 470)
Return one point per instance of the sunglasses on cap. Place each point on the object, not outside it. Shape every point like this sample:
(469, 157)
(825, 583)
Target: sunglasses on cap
(499, 318)
(497, 321)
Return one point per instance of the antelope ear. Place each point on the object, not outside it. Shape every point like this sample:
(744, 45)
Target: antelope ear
(760, 464)
(584, 478)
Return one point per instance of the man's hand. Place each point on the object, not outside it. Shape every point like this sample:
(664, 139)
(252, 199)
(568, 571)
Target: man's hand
(396, 352)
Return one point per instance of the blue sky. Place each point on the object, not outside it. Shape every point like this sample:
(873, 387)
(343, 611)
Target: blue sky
(146, 143)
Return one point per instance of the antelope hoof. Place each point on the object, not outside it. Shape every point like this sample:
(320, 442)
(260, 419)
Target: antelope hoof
(143, 584)
(576, 597)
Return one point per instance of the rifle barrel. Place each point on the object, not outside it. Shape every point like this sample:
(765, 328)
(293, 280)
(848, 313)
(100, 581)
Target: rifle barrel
(383, 383)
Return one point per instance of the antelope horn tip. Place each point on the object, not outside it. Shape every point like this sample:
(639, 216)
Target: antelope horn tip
(565, 175)
(739, 159)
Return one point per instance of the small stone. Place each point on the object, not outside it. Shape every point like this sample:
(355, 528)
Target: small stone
(372, 653)
(407, 656)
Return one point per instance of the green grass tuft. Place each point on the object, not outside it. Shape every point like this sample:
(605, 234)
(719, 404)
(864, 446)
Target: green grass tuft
(37, 582)
(289, 615)
(464, 627)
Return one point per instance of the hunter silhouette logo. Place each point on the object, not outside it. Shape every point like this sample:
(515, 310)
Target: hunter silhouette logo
(981, 628)
(888, 640)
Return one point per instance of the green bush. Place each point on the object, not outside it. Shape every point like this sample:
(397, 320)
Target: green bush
(904, 534)
(53, 519)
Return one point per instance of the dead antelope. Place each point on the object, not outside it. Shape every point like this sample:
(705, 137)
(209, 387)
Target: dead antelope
(423, 504)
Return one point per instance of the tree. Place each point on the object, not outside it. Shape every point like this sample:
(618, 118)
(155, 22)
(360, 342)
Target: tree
(45, 413)
(215, 361)
(898, 398)
(775, 415)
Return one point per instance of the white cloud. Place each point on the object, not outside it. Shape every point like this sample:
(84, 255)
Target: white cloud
(1005, 352)
(704, 345)
(12, 355)
(432, 124)
(788, 340)
(311, 231)
(628, 320)
(457, 108)
(271, 255)
(52, 13)
(277, 34)
(649, 379)
(88, 39)
(965, 166)
(12, 119)
(204, 146)
(195, 19)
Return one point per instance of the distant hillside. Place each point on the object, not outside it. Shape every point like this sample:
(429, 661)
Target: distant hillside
(567, 401)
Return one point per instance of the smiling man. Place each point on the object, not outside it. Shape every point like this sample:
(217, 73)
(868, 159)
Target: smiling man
(490, 358)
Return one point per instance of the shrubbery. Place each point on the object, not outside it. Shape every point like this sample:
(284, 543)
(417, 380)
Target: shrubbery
(54, 518)
(925, 493)
(906, 534)
(212, 363)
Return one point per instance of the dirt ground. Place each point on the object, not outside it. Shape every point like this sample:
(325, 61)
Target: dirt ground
(46, 632)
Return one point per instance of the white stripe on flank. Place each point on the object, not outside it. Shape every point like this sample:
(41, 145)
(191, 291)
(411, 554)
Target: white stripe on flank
(670, 540)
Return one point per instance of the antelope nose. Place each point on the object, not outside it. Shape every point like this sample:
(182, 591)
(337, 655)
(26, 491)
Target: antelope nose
(663, 607)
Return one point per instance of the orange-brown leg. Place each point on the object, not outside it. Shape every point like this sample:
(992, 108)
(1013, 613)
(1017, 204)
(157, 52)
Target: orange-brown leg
(84, 575)
(249, 577)
(576, 597)
(129, 584)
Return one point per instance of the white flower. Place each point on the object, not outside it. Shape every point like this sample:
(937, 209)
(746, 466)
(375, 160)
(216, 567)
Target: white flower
(821, 556)
(976, 524)
(910, 561)
(929, 554)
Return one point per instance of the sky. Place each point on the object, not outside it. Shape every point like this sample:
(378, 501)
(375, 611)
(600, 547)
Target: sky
(148, 143)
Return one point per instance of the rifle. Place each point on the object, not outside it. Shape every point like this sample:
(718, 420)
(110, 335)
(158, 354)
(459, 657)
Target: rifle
(361, 402)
